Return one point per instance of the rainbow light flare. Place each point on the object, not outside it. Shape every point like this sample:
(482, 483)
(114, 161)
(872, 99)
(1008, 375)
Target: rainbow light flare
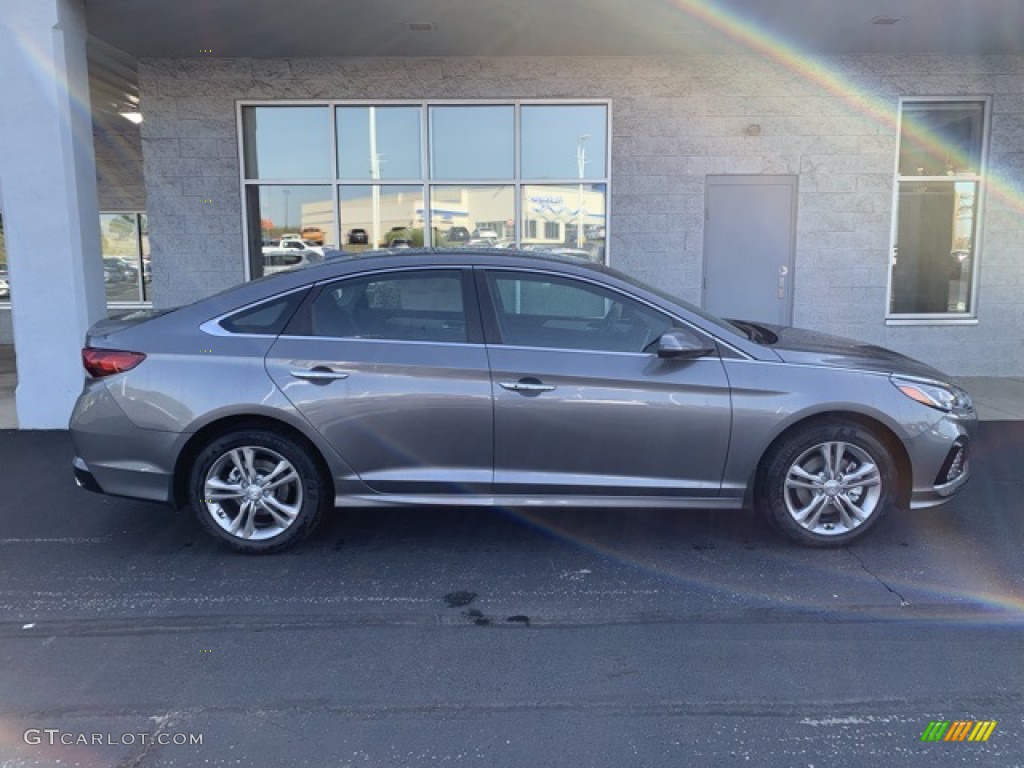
(822, 75)
(49, 79)
(1005, 607)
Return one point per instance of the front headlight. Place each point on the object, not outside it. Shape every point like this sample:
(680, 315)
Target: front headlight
(944, 397)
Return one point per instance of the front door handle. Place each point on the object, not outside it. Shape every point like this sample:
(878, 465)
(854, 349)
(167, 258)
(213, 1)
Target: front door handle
(529, 385)
(319, 374)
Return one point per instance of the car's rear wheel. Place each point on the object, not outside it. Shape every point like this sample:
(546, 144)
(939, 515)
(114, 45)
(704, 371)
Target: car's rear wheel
(256, 490)
(828, 484)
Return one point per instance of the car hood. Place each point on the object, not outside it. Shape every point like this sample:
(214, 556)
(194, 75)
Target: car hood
(797, 345)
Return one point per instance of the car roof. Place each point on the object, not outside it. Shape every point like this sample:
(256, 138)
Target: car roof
(340, 264)
(473, 256)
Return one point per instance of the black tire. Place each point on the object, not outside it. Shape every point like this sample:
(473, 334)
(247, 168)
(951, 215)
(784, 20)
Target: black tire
(300, 502)
(856, 448)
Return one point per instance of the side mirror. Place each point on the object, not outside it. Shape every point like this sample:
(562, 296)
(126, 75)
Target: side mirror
(680, 345)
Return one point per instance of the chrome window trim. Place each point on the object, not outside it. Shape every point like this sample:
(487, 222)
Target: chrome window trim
(365, 339)
(212, 327)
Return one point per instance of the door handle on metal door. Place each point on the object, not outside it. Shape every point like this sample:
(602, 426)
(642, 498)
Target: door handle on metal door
(526, 385)
(319, 374)
(783, 271)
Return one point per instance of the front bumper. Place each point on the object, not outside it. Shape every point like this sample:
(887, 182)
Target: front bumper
(941, 460)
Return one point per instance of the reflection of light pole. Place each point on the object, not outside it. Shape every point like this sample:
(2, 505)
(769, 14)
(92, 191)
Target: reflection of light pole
(581, 162)
(287, 192)
(375, 176)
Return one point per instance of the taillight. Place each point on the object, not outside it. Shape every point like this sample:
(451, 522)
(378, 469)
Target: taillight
(107, 362)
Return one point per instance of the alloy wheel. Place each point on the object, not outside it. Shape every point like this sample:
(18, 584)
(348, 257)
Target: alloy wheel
(252, 492)
(832, 488)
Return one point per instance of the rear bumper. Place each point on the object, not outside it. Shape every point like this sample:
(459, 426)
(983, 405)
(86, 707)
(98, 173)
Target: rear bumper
(115, 457)
(83, 477)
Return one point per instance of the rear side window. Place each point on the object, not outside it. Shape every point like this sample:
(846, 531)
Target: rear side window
(406, 306)
(268, 318)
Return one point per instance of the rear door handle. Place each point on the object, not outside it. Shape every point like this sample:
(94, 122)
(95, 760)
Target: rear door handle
(526, 385)
(319, 374)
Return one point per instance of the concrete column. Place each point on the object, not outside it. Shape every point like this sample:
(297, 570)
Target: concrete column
(51, 215)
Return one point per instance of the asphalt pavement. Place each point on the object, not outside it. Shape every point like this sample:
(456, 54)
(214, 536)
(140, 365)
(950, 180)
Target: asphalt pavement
(482, 637)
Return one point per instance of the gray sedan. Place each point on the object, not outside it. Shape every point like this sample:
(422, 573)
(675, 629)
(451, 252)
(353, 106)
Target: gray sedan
(502, 378)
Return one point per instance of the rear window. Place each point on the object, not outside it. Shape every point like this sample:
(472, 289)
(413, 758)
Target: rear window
(267, 318)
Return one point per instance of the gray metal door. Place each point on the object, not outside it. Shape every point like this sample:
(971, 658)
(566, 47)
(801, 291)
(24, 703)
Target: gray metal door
(749, 230)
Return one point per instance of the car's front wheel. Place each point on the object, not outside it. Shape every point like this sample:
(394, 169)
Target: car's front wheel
(256, 490)
(828, 484)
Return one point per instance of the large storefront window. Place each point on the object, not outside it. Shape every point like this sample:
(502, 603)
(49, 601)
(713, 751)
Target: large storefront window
(938, 185)
(126, 269)
(357, 177)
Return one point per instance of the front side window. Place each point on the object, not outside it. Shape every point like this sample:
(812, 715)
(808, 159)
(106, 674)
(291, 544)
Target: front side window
(359, 177)
(408, 306)
(938, 186)
(561, 313)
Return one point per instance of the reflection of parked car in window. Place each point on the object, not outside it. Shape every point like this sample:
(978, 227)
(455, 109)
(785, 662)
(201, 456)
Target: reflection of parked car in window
(358, 237)
(117, 270)
(5, 288)
(486, 234)
(396, 236)
(292, 236)
(301, 245)
(313, 234)
(281, 260)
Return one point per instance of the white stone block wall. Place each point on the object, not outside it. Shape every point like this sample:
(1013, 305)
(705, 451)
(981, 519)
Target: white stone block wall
(675, 121)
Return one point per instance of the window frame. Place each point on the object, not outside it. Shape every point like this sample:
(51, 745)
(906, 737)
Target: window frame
(516, 181)
(980, 178)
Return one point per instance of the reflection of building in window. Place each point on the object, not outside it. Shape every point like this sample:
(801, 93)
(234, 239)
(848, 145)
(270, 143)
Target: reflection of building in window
(561, 209)
(934, 257)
